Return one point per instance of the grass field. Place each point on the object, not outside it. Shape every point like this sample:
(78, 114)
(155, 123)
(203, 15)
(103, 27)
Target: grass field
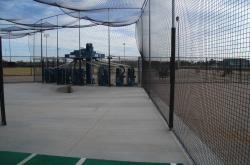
(18, 71)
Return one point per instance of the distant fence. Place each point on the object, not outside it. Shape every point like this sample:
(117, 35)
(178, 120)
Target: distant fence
(119, 69)
(212, 75)
(18, 69)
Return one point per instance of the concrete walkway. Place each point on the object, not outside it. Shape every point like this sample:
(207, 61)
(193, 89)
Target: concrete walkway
(94, 122)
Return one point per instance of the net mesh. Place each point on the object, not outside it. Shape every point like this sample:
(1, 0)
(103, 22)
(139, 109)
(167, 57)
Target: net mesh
(212, 74)
(110, 17)
(109, 12)
(49, 15)
(82, 5)
(212, 91)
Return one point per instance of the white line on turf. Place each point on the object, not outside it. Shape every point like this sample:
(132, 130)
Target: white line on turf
(81, 161)
(173, 164)
(26, 159)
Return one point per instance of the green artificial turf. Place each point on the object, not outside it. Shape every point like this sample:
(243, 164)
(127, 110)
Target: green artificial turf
(12, 158)
(111, 162)
(52, 160)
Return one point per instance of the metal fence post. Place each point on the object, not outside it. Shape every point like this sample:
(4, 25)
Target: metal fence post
(42, 60)
(149, 49)
(172, 69)
(33, 64)
(3, 116)
(43, 78)
(240, 70)
(109, 56)
(57, 52)
(139, 71)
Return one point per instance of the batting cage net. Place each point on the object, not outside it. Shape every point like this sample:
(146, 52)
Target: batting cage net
(201, 74)
(212, 74)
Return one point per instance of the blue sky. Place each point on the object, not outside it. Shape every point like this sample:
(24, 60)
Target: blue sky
(28, 11)
(207, 28)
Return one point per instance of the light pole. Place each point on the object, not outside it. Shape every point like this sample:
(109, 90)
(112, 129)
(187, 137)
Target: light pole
(46, 36)
(124, 50)
(178, 55)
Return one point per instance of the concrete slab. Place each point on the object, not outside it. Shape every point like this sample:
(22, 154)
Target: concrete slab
(94, 122)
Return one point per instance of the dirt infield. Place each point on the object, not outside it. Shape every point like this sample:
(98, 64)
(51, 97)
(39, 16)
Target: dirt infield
(18, 71)
(18, 79)
(22, 74)
(214, 107)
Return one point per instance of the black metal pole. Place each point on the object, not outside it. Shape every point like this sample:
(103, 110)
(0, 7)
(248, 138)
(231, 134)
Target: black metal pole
(178, 23)
(80, 53)
(142, 57)
(142, 38)
(79, 35)
(139, 71)
(149, 47)
(144, 74)
(42, 61)
(31, 74)
(109, 57)
(3, 116)
(57, 53)
(46, 37)
(34, 73)
(124, 51)
(240, 70)
(10, 46)
(206, 69)
(172, 69)
(109, 72)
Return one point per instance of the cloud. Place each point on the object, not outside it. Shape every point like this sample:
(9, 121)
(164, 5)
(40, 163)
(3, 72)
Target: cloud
(29, 11)
(68, 41)
(207, 28)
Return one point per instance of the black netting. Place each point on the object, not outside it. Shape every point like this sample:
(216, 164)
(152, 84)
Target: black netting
(212, 71)
(115, 13)
(14, 32)
(12, 28)
(110, 12)
(65, 14)
(212, 60)
(14, 35)
(43, 16)
(110, 17)
(82, 5)
(20, 11)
